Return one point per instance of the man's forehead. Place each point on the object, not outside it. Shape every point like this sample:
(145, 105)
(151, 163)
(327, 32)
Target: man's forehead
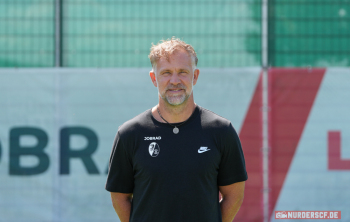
(176, 56)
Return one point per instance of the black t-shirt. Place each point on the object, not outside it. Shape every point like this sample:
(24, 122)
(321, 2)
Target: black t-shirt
(175, 177)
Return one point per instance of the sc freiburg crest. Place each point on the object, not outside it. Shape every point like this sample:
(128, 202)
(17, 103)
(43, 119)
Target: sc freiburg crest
(153, 149)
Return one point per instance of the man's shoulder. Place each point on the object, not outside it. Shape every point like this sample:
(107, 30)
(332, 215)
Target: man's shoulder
(218, 126)
(137, 123)
(211, 119)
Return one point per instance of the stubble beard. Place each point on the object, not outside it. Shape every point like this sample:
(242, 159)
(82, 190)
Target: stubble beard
(175, 100)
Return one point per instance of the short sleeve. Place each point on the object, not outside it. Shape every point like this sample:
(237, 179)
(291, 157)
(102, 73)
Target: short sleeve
(120, 173)
(232, 166)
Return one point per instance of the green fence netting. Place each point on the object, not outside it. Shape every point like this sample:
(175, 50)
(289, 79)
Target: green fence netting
(27, 33)
(309, 33)
(225, 33)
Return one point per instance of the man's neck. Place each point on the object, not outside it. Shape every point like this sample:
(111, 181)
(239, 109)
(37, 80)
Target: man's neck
(174, 114)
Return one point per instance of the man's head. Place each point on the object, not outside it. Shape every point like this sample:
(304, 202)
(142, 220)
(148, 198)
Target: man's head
(174, 70)
(165, 48)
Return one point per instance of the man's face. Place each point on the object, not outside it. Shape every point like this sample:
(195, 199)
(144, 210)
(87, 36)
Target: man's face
(175, 78)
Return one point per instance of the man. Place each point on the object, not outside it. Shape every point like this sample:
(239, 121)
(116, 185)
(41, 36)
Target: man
(169, 163)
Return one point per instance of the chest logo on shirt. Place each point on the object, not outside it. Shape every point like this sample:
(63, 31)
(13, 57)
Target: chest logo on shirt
(153, 149)
(203, 149)
(153, 138)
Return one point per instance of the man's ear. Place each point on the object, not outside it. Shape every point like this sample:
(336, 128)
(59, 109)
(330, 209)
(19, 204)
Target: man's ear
(195, 76)
(153, 78)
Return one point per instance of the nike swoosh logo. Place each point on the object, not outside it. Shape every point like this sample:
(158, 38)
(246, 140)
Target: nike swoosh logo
(203, 149)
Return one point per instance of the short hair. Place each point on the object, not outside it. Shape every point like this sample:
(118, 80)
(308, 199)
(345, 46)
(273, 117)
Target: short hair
(164, 48)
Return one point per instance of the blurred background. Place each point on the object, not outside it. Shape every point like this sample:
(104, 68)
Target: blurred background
(105, 33)
(72, 71)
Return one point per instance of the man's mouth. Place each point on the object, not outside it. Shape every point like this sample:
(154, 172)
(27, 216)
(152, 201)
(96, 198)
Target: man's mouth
(174, 90)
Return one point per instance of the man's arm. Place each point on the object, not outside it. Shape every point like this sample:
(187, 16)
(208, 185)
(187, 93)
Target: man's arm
(232, 199)
(122, 205)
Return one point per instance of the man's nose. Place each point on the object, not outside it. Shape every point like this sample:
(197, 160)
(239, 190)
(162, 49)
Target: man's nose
(175, 79)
